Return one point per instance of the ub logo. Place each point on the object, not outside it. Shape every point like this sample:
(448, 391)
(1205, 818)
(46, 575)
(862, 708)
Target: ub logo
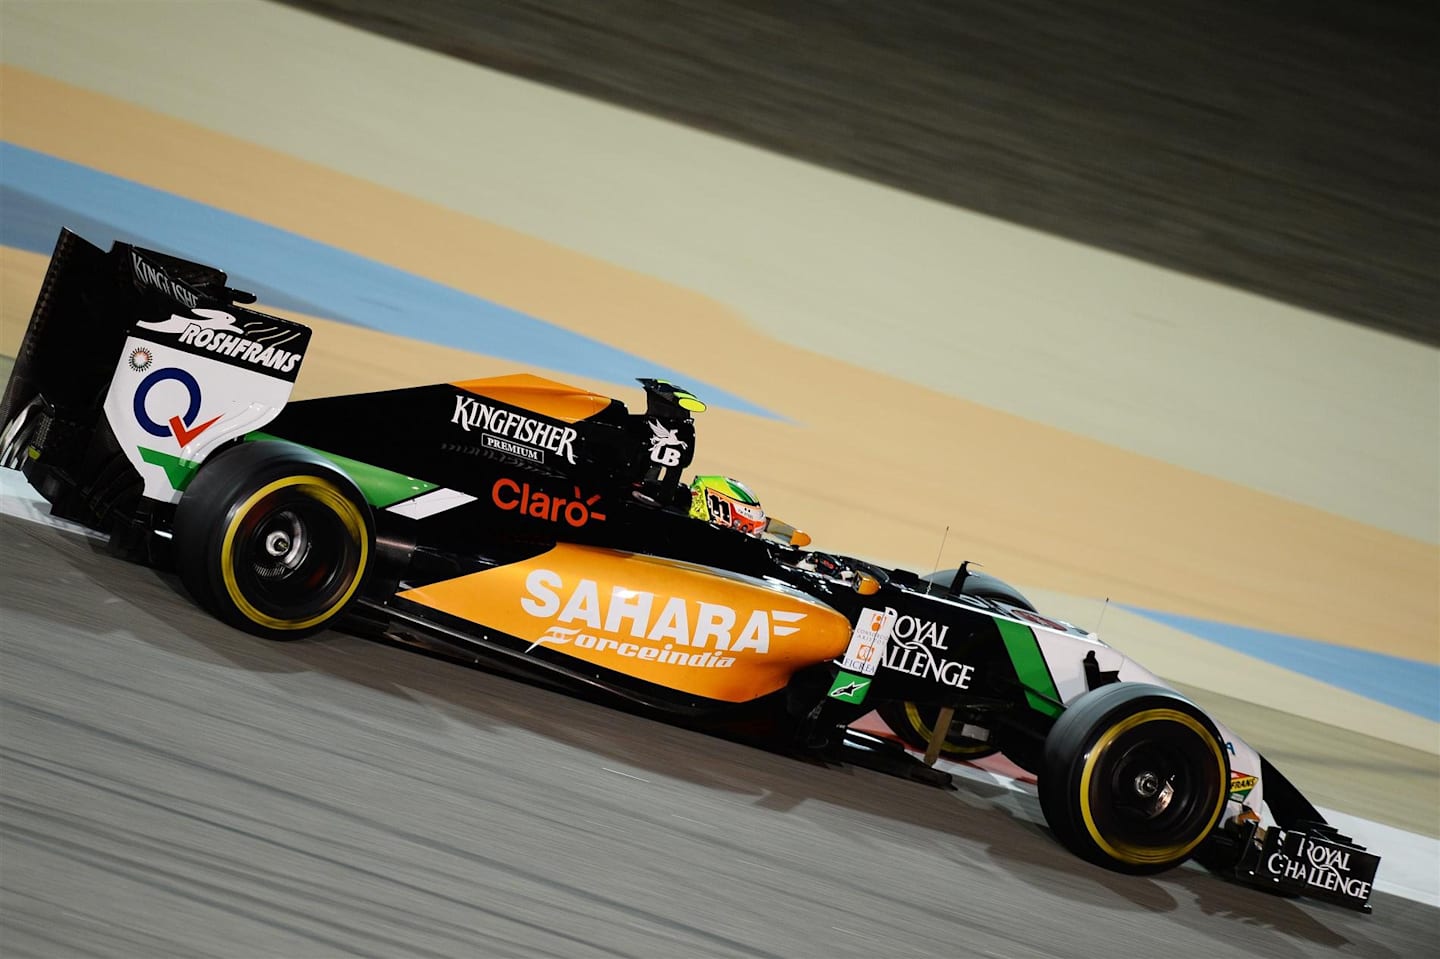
(665, 445)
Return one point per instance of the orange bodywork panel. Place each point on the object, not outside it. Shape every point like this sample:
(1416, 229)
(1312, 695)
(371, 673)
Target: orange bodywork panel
(702, 631)
(539, 395)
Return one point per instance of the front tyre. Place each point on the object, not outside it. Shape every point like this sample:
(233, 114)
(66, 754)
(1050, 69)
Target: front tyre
(273, 539)
(1133, 777)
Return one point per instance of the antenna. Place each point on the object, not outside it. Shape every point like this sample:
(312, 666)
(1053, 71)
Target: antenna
(1102, 615)
(938, 553)
(957, 585)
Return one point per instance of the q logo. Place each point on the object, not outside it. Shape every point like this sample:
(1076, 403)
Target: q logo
(183, 428)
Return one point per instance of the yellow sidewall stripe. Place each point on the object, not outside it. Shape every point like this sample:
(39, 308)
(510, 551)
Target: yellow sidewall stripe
(324, 492)
(1143, 855)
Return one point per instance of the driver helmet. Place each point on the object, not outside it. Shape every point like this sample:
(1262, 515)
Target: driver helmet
(726, 502)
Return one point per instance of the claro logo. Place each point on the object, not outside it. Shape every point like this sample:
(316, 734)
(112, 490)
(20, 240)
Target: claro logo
(579, 511)
(653, 619)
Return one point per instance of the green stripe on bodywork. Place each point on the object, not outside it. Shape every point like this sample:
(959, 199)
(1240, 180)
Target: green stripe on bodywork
(380, 487)
(1030, 667)
(179, 472)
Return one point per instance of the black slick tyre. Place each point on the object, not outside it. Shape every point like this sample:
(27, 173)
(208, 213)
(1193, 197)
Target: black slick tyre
(272, 538)
(1133, 777)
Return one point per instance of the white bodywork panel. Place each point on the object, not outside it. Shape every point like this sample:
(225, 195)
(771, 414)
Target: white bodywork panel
(169, 409)
(1064, 648)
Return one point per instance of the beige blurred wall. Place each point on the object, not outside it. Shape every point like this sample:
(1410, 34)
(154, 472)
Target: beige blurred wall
(1268, 396)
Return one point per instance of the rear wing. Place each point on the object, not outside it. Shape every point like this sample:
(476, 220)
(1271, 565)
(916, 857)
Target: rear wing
(136, 366)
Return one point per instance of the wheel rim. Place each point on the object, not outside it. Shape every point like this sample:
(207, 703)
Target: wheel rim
(294, 553)
(1152, 787)
(922, 721)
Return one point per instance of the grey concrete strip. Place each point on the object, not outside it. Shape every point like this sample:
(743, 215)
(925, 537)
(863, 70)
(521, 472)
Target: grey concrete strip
(1189, 372)
(172, 787)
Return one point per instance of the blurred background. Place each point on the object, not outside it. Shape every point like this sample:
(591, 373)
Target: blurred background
(1135, 305)
(1285, 148)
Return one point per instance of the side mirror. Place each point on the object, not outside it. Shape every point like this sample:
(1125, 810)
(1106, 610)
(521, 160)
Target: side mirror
(785, 533)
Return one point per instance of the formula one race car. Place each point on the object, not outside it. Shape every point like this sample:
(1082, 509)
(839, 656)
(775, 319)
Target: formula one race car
(548, 530)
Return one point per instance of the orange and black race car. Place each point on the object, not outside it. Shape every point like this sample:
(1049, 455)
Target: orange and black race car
(550, 530)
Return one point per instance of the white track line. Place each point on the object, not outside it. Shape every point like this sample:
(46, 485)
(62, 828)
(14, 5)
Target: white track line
(19, 499)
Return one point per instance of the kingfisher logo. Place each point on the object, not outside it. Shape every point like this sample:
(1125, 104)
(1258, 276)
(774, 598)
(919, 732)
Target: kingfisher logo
(148, 274)
(514, 433)
(182, 426)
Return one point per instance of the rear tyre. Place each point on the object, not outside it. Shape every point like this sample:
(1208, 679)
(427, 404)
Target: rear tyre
(273, 539)
(1133, 778)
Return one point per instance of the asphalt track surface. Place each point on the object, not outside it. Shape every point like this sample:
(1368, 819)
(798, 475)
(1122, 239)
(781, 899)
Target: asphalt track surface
(174, 787)
(1283, 147)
